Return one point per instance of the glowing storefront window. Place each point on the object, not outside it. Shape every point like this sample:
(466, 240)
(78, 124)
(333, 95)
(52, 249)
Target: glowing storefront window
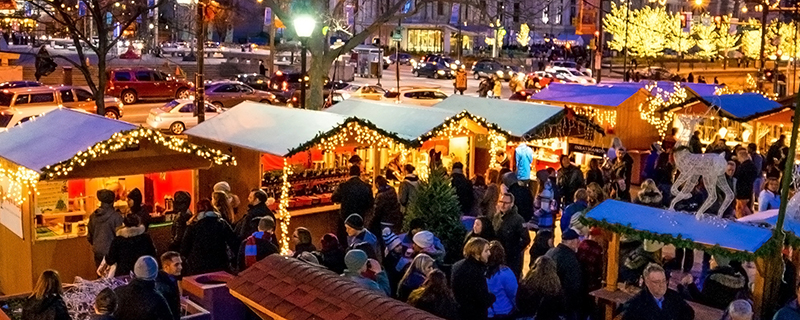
(425, 40)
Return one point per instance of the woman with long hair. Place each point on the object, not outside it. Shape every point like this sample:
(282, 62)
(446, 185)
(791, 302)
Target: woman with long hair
(435, 296)
(469, 281)
(769, 198)
(481, 228)
(415, 275)
(502, 283)
(540, 295)
(302, 241)
(207, 242)
(595, 174)
(222, 206)
(46, 302)
(332, 254)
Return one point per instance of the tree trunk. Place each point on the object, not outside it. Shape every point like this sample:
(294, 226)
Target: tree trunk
(317, 70)
(100, 87)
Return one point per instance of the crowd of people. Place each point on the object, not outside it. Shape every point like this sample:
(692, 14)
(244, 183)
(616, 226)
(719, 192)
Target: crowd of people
(372, 248)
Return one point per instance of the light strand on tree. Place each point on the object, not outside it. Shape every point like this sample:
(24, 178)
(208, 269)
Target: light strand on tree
(283, 207)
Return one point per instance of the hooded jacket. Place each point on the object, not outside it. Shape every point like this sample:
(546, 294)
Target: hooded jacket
(129, 244)
(102, 227)
(649, 198)
(50, 307)
(721, 287)
(136, 196)
(570, 179)
(408, 190)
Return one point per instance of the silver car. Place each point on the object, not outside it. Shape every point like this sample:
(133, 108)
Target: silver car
(178, 115)
(226, 94)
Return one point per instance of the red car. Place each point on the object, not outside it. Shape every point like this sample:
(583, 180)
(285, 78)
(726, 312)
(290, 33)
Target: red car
(134, 84)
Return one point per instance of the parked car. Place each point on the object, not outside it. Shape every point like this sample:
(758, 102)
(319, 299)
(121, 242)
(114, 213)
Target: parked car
(66, 96)
(572, 75)
(178, 115)
(255, 80)
(655, 73)
(20, 84)
(424, 97)
(13, 117)
(134, 84)
(404, 58)
(370, 92)
(226, 94)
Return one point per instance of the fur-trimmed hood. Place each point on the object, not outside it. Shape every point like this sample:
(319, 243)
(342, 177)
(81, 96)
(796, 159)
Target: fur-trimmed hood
(130, 232)
(650, 197)
(727, 277)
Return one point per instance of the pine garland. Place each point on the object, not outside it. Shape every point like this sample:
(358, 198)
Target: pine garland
(436, 203)
(769, 248)
(343, 126)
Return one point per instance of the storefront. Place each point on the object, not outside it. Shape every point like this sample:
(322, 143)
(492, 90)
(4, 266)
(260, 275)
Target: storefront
(50, 171)
(297, 156)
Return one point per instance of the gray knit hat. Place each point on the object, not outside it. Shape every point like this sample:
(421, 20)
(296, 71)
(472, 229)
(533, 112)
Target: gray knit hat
(146, 268)
(355, 259)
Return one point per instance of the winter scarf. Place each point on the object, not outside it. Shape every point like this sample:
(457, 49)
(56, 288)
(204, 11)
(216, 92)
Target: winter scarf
(251, 247)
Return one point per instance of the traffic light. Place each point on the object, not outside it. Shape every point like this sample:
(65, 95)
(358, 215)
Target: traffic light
(768, 75)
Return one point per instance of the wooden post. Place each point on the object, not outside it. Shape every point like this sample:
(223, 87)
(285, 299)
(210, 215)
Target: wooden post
(767, 283)
(612, 269)
(471, 156)
(376, 165)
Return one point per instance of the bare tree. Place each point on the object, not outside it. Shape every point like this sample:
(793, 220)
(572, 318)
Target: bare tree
(104, 16)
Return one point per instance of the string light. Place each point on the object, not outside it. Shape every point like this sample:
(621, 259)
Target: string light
(601, 116)
(130, 139)
(19, 178)
(497, 143)
(660, 101)
(353, 131)
(283, 208)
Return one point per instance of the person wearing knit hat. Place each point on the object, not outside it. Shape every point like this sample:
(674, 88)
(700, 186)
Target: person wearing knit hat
(391, 241)
(568, 268)
(354, 196)
(309, 258)
(139, 299)
(722, 286)
(357, 263)
(423, 241)
(102, 226)
(357, 234)
(233, 199)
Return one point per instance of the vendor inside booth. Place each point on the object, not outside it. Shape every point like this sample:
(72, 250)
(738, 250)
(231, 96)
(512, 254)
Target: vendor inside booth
(297, 156)
(50, 171)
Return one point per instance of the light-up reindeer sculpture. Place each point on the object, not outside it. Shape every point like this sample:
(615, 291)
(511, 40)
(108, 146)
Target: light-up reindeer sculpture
(709, 166)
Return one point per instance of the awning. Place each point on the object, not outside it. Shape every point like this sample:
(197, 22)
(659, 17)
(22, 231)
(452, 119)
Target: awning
(265, 128)
(675, 227)
(56, 136)
(407, 121)
(595, 94)
(518, 119)
(744, 106)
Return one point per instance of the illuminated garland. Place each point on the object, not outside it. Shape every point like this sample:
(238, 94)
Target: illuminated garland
(769, 248)
(283, 207)
(360, 130)
(751, 86)
(18, 179)
(497, 143)
(129, 139)
(659, 102)
(452, 125)
(601, 116)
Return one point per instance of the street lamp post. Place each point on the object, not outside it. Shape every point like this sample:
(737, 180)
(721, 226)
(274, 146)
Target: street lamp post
(776, 72)
(303, 26)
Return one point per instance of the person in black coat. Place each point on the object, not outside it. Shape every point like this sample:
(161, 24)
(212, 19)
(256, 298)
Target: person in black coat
(130, 243)
(207, 242)
(568, 268)
(332, 253)
(463, 187)
(511, 232)
(167, 281)
(104, 305)
(139, 299)
(135, 204)
(722, 286)
(523, 199)
(257, 210)
(656, 301)
(46, 303)
(355, 196)
(182, 201)
(468, 279)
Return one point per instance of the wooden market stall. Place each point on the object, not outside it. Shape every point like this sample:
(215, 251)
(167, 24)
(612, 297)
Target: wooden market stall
(297, 156)
(713, 235)
(544, 127)
(740, 118)
(452, 133)
(50, 170)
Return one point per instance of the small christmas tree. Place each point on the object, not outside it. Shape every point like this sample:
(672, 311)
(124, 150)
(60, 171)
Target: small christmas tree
(437, 204)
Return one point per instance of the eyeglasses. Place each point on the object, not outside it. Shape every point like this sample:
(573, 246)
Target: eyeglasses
(504, 202)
